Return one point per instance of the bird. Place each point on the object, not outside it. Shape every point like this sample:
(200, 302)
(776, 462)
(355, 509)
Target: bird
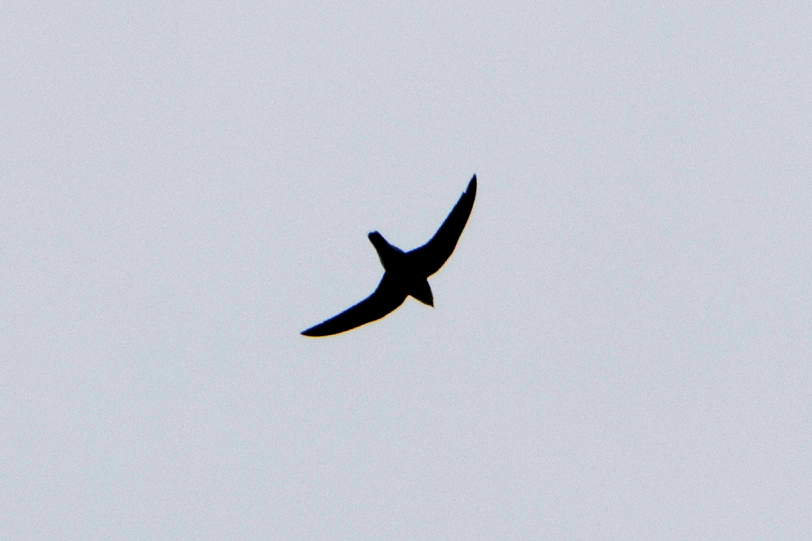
(405, 273)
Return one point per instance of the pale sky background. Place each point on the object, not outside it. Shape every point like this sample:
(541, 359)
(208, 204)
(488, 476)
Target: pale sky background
(621, 346)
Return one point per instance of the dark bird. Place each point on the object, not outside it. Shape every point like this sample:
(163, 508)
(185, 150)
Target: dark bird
(405, 273)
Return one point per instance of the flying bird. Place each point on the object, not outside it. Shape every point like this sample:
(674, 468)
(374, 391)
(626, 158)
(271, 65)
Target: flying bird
(405, 273)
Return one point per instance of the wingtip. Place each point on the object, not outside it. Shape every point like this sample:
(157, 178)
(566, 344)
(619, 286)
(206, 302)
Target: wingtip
(472, 184)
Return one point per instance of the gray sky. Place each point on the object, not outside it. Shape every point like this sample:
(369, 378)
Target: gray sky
(621, 342)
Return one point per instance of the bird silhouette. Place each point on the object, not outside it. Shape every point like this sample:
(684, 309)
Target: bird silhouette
(405, 273)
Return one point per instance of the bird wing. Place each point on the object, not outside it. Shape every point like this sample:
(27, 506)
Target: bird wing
(386, 297)
(432, 255)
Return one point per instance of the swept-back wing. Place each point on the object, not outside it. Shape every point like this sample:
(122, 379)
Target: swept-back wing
(432, 255)
(386, 297)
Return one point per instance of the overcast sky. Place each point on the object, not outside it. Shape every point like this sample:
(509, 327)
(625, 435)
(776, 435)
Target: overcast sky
(620, 345)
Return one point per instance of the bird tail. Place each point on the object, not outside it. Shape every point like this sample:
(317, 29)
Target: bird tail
(422, 292)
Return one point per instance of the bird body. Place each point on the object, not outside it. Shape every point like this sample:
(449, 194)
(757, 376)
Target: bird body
(405, 273)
